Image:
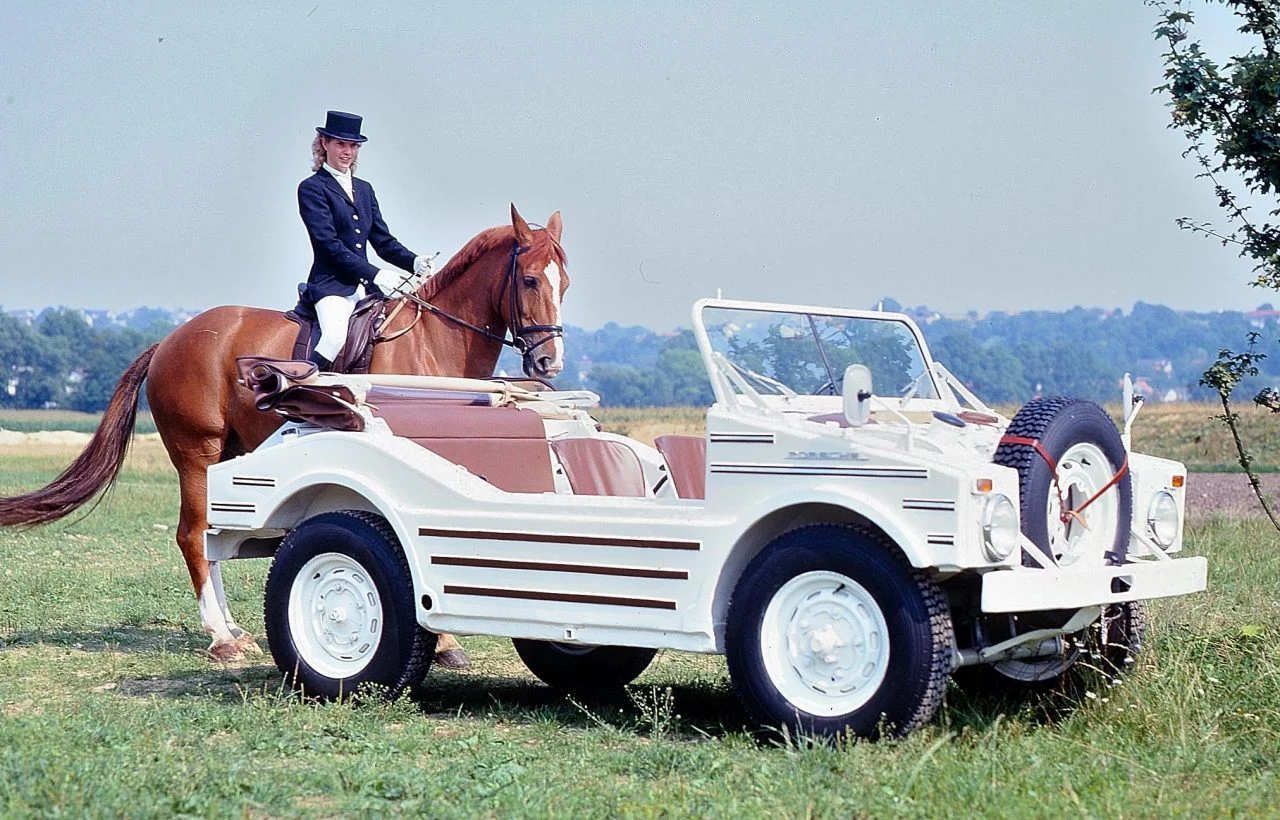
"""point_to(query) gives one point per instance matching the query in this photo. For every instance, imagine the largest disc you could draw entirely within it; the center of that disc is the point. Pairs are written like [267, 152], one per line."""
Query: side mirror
[1132, 403]
[857, 394]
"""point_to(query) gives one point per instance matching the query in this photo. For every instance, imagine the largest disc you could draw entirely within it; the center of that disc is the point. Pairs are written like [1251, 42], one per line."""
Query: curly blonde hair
[318, 155]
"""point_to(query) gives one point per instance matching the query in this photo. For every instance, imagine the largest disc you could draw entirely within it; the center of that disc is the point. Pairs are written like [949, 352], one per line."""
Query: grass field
[108, 708]
[30, 421]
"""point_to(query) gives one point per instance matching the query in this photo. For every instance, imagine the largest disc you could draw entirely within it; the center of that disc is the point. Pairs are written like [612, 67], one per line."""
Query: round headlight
[1163, 520]
[999, 527]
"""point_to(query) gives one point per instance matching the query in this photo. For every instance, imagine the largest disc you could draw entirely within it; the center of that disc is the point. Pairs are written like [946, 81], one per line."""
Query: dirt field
[1227, 494]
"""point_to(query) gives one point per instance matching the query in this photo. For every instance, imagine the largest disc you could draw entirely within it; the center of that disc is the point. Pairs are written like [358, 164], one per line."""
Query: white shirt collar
[344, 179]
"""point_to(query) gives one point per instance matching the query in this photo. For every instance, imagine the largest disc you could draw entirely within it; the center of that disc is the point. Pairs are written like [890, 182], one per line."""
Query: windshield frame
[724, 386]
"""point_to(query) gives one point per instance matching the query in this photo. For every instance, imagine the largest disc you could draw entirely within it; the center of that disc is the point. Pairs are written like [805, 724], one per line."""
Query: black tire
[1069, 425]
[1117, 639]
[848, 588]
[583, 670]
[348, 565]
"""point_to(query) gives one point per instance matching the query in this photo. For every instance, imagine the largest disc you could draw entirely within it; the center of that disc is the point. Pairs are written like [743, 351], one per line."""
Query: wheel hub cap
[336, 614]
[825, 643]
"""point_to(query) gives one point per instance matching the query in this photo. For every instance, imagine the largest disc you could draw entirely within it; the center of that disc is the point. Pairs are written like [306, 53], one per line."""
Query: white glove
[422, 266]
[390, 281]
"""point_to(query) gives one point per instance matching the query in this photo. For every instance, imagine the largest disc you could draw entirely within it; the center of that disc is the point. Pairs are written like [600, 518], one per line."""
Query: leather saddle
[357, 353]
[278, 387]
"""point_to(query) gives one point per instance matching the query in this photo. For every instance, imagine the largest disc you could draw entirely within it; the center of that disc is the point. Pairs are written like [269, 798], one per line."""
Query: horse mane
[482, 243]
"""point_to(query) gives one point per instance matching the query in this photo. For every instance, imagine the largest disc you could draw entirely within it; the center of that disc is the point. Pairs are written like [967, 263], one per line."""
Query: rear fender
[310, 495]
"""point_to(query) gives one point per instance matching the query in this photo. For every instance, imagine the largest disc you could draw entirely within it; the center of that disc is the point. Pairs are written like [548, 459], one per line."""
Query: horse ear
[554, 226]
[524, 236]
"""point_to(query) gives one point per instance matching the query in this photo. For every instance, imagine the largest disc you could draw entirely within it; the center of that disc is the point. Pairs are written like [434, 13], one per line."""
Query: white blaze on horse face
[553, 275]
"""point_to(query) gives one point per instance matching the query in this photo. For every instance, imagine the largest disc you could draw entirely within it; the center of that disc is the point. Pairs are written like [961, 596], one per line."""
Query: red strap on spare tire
[1066, 514]
[1039, 448]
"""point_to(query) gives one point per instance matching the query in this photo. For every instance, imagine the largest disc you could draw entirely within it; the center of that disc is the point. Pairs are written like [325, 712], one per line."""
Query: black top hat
[342, 126]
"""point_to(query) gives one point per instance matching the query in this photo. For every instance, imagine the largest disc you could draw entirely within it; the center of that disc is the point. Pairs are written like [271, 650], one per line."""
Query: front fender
[888, 520]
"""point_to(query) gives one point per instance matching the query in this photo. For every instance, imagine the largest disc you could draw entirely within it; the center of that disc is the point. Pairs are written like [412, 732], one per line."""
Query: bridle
[511, 288]
[519, 331]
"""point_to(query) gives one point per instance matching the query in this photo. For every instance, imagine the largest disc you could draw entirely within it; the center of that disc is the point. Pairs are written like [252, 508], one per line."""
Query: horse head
[536, 287]
[508, 278]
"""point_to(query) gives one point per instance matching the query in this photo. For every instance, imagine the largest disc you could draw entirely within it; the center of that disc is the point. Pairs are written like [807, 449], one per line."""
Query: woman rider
[342, 218]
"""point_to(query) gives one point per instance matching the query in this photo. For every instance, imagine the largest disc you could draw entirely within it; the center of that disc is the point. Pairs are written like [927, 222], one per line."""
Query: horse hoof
[452, 659]
[248, 644]
[225, 652]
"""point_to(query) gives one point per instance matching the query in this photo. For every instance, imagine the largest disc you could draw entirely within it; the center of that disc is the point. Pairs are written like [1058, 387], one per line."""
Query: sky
[966, 156]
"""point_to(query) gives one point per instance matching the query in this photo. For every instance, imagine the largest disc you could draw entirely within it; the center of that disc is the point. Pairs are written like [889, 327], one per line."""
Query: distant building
[24, 315]
[1143, 387]
[1263, 316]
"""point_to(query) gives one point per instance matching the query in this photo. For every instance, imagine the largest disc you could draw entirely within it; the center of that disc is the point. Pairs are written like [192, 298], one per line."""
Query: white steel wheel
[830, 631]
[1066, 450]
[825, 643]
[1082, 539]
[339, 608]
[335, 615]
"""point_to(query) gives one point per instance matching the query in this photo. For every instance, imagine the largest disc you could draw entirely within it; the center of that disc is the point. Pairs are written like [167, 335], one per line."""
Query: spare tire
[1076, 494]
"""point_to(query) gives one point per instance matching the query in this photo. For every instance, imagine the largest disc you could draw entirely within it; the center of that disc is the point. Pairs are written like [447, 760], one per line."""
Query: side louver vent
[232, 507]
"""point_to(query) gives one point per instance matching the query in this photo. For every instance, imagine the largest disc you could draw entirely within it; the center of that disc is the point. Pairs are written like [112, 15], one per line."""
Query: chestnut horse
[505, 278]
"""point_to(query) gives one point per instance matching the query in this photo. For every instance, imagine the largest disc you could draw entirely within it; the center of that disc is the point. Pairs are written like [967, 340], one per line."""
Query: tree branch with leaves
[1230, 115]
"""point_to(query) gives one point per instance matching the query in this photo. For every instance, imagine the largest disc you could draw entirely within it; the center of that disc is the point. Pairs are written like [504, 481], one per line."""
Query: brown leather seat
[505, 446]
[687, 461]
[600, 466]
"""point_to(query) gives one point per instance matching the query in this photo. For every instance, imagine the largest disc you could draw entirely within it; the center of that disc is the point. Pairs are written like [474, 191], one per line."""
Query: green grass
[108, 708]
[32, 421]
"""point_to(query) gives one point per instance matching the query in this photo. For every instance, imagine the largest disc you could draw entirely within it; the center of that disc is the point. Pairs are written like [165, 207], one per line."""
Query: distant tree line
[62, 360]
[1004, 358]
[72, 359]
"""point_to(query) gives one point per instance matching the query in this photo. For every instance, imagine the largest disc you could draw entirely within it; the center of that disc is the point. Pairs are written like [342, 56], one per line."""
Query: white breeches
[334, 312]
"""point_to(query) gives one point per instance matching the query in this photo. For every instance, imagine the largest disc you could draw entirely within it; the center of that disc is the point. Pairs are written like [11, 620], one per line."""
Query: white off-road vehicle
[854, 527]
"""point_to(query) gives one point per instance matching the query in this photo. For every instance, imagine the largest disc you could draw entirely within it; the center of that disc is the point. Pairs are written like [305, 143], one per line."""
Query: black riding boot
[324, 364]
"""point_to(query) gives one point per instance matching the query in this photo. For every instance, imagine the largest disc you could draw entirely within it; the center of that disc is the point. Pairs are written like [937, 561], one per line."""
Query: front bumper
[1023, 589]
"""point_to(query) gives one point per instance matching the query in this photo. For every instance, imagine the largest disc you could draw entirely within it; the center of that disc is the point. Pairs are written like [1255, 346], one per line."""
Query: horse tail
[96, 468]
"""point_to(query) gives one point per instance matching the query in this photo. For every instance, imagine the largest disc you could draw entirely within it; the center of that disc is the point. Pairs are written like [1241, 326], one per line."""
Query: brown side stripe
[546, 566]
[570, 597]
[552, 538]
